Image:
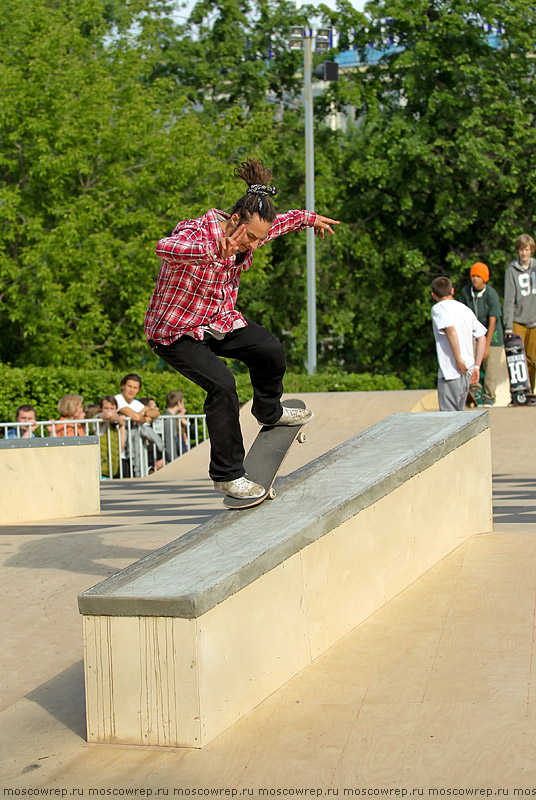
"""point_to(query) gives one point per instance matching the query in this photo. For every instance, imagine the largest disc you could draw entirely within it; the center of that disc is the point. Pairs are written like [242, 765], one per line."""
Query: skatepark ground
[436, 690]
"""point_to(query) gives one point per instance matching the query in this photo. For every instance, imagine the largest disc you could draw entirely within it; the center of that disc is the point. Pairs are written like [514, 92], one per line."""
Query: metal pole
[310, 200]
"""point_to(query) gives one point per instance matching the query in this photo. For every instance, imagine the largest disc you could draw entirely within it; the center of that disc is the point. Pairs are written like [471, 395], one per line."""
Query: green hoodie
[485, 304]
[520, 295]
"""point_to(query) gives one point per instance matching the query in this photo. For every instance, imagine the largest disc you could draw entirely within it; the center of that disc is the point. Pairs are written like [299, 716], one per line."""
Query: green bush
[42, 387]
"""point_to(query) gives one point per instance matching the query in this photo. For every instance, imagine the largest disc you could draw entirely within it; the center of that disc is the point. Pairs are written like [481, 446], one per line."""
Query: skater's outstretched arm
[298, 221]
[323, 224]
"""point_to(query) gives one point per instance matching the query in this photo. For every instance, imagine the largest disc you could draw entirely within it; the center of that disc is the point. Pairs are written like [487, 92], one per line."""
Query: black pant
[198, 361]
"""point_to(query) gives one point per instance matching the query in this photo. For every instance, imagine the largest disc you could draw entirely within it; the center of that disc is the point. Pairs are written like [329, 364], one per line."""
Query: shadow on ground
[64, 698]
[514, 500]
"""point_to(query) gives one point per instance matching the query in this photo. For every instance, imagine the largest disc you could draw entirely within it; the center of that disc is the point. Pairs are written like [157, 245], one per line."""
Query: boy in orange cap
[484, 301]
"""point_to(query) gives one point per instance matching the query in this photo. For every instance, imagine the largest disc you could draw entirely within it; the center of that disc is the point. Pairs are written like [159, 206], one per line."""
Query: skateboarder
[191, 320]
[455, 326]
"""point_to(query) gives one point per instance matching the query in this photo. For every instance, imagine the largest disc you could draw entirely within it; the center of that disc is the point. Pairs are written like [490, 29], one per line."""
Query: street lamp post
[310, 202]
[302, 38]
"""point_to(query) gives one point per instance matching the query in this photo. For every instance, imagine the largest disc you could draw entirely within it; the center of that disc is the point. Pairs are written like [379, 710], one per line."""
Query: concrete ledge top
[48, 441]
[194, 573]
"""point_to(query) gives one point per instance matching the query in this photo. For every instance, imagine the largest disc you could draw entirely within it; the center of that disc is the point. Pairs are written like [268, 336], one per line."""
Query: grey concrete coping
[52, 441]
[194, 573]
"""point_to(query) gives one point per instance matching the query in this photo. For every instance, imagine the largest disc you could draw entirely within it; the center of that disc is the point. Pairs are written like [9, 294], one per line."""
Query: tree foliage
[437, 170]
[117, 120]
[99, 158]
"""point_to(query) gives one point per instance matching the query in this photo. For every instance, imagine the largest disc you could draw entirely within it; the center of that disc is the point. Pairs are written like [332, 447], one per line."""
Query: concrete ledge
[184, 642]
[201, 569]
[49, 478]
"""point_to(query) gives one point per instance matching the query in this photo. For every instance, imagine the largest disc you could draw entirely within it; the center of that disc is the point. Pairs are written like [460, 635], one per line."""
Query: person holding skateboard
[192, 321]
[455, 326]
[519, 307]
[482, 298]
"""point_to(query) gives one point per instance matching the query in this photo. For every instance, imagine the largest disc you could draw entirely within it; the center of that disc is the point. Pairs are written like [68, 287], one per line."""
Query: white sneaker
[240, 488]
[295, 416]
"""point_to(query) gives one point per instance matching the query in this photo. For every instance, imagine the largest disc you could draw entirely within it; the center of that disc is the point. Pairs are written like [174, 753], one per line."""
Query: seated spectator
[70, 408]
[25, 413]
[112, 433]
[176, 433]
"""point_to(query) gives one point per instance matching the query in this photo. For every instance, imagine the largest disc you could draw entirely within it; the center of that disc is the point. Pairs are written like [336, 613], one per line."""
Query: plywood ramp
[49, 478]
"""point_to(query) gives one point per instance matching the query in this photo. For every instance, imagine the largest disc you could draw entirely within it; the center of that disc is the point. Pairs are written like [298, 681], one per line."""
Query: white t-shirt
[450, 312]
[135, 405]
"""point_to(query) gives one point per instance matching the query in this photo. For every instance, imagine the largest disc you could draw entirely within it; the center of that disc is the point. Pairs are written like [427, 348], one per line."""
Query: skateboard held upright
[265, 457]
[474, 396]
[518, 373]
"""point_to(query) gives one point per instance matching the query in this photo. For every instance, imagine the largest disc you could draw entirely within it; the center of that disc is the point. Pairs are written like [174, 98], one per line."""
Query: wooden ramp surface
[435, 690]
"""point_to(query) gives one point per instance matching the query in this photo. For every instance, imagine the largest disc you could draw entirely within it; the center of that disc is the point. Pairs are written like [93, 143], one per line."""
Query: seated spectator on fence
[25, 413]
[70, 408]
[176, 433]
[112, 436]
[138, 413]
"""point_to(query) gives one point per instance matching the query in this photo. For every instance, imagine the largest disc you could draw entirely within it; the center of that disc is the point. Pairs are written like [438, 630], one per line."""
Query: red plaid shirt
[196, 288]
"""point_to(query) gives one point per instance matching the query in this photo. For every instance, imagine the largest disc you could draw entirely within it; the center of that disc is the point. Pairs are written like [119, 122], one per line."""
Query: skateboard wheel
[271, 494]
[302, 437]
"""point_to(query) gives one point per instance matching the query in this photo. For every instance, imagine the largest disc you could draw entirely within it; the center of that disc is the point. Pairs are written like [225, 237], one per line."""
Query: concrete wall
[49, 478]
[191, 638]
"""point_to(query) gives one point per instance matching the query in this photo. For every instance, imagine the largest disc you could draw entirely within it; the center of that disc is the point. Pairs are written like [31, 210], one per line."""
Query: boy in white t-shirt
[137, 411]
[455, 326]
[128, 405]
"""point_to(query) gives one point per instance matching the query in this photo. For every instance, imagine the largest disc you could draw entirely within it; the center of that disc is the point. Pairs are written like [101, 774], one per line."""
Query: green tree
[116, 122]
[232, 52]
[98, 160]
[437, 170]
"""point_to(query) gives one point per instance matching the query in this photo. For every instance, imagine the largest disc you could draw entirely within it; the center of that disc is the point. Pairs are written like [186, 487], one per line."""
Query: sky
[358, 4]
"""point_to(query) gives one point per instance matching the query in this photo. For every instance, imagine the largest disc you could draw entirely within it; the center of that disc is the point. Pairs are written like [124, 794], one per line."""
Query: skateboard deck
[474, 395]
[265, 457]
[518, 373]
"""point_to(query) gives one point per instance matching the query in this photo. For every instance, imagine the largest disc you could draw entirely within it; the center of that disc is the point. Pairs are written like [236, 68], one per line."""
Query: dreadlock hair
[256, 200]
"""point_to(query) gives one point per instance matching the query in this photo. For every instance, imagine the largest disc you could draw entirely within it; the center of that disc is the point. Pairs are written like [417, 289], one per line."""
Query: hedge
[42, 387]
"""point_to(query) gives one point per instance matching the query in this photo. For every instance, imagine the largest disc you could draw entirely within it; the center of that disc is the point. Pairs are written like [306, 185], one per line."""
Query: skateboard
[265, 457]
[474, 396]
[518, 374]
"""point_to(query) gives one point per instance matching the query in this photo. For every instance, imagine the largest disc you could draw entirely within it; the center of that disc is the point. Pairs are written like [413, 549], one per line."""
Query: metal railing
[127, 450]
